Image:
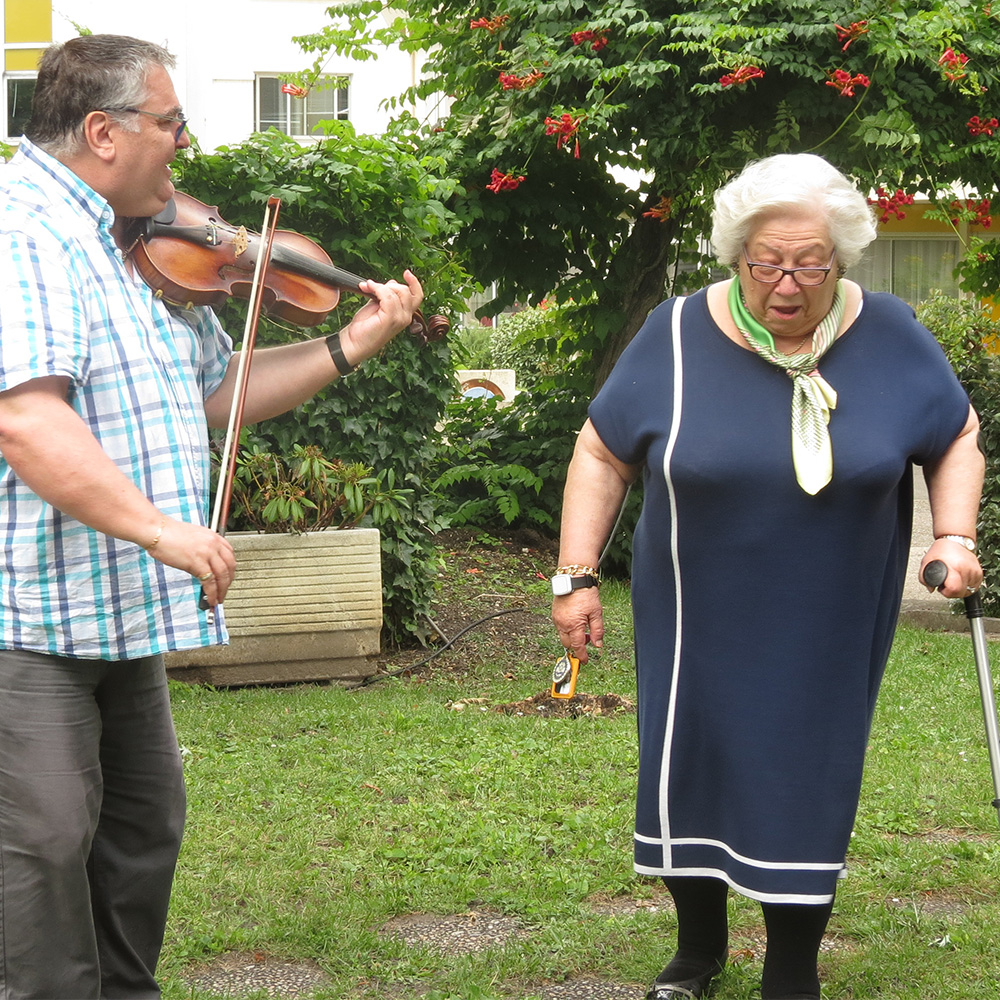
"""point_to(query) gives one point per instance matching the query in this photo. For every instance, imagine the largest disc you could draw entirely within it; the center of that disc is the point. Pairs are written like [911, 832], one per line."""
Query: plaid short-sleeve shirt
[139, 373]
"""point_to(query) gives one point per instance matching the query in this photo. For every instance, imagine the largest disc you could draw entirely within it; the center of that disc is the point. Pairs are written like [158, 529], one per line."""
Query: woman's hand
[579, 619]
[965, 575]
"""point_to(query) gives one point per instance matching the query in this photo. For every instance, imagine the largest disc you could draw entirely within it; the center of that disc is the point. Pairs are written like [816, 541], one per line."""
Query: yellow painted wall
[26, 21]
[915, 223]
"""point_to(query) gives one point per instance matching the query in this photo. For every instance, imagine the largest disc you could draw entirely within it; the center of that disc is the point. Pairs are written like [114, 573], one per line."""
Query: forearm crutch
[935, 574]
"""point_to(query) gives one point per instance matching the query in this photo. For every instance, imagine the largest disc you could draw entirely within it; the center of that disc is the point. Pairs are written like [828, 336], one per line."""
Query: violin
[189, 255]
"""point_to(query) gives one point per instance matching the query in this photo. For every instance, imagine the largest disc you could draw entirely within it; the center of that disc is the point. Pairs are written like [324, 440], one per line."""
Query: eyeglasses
[771, 274]
[179, 119]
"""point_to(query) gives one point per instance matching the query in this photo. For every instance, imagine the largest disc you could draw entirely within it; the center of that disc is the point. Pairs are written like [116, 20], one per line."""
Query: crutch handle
[935, 573]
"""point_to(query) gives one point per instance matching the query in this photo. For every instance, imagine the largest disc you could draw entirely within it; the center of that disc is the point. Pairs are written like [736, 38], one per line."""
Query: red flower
[953, 63]
[980, 127]
[500, 181]
[891, 203]
[849, 34]
[491, 24]
[846, 83]
[565, 128]
[662, 210]
[981, 209]
[510, 81]
[294, 90]
[599, 38]
[741, 75]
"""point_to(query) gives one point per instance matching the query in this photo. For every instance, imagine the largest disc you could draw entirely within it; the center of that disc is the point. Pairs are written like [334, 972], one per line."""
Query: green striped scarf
[812, 396]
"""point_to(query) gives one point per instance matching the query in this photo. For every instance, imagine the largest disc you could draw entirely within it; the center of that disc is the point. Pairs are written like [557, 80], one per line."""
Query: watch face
[562, 670]
[562, 585]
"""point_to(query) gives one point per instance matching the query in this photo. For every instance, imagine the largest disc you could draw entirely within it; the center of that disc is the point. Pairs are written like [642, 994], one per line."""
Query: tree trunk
[642, 264]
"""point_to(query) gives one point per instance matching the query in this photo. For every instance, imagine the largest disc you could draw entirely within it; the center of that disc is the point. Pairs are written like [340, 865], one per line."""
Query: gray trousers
[91, 816]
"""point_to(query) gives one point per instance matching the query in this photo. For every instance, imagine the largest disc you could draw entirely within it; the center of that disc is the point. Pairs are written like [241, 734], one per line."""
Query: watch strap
[344, 367]
[963, 540]
[575, 583]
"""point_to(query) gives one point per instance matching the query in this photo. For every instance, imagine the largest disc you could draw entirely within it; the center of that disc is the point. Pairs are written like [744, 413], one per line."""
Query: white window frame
[291, 115]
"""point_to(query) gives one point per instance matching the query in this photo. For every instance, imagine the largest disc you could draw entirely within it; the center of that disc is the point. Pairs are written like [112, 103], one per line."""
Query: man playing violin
[106, 397]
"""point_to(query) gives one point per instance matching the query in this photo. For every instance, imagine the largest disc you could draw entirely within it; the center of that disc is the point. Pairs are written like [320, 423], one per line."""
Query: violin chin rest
[167, 214]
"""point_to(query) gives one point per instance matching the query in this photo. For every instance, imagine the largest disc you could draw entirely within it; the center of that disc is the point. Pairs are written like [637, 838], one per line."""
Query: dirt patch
[933, 903]
[457, 934]
[491, 607]
[479, 930]
[580, 704]
[592, 989]
[236, 974]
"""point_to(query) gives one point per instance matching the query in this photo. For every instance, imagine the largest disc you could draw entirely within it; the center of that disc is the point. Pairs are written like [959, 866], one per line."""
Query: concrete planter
[302, 608]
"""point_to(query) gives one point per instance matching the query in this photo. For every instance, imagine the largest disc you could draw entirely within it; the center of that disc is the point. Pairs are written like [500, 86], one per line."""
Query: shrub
[505, 465]
[306, 491]
[968, 333]
[376, 207]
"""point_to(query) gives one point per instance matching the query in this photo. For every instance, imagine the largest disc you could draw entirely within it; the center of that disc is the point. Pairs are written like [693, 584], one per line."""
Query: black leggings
[794, 933]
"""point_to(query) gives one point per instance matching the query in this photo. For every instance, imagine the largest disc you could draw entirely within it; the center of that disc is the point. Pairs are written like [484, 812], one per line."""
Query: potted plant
[306, 604]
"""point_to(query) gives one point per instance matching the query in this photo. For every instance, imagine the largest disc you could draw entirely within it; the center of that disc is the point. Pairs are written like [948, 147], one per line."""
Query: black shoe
[686, 989]
[672, 991]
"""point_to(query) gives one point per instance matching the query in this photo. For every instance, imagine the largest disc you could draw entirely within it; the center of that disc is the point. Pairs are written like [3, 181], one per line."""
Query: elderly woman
[775, 418]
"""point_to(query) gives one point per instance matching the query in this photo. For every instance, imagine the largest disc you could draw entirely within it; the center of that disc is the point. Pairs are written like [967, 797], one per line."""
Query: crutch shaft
[935, 574]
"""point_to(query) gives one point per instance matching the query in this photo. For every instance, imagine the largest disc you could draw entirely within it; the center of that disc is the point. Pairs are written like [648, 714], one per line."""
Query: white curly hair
[793, 182]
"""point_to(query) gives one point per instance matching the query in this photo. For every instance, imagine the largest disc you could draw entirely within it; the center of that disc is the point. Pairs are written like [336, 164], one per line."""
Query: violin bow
[227, 472]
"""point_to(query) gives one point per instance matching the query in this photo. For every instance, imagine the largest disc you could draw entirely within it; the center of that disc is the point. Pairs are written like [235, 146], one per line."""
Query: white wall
[221, 44]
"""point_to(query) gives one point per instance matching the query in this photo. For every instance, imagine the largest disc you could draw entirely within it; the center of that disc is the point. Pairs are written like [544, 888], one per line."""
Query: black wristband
[344, 367]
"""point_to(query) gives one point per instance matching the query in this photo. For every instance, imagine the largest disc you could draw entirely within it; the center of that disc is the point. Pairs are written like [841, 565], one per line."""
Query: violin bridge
[241, 241]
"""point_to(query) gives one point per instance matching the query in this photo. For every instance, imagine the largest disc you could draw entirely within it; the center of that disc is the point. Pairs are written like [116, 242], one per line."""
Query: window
[19, 92]
[909, 267]
[300, 116]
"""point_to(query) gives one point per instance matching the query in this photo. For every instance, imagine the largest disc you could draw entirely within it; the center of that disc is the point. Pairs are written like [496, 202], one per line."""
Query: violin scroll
[429, 330]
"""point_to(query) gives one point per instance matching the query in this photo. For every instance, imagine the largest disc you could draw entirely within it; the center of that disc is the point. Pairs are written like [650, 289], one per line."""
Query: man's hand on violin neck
[389, 311]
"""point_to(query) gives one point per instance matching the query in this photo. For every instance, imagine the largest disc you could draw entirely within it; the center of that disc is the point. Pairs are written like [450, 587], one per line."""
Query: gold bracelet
[576, 570]
[156, 538]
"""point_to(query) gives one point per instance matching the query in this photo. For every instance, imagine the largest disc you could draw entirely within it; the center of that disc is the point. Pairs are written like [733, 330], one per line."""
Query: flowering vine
[599, 38]
[741, 75]
[491, 24]
[661, 211]
[952, 64]
[980, 211]
[510, 81]
[565, 128]
[891, 204]
[499, 181]
[849, 34]
[845, 83]
[979, 126]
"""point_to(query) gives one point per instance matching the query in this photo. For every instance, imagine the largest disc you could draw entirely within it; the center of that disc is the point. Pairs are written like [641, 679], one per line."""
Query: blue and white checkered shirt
[139, 373]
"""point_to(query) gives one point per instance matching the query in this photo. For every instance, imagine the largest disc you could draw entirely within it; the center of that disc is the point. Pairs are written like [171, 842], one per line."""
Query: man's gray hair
[84, 74]
[794, 182]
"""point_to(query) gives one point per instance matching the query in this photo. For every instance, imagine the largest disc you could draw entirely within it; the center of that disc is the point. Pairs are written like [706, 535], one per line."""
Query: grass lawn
[328, 827]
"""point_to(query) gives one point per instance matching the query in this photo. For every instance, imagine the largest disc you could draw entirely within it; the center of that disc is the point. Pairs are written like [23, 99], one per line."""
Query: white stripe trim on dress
[675, 422]
[762, 897]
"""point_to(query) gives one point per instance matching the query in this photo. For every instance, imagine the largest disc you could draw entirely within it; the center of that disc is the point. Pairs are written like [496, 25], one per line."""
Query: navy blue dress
[764, 616]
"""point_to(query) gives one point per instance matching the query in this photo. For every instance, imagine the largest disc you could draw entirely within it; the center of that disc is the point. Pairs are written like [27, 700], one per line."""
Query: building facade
[231, 55]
